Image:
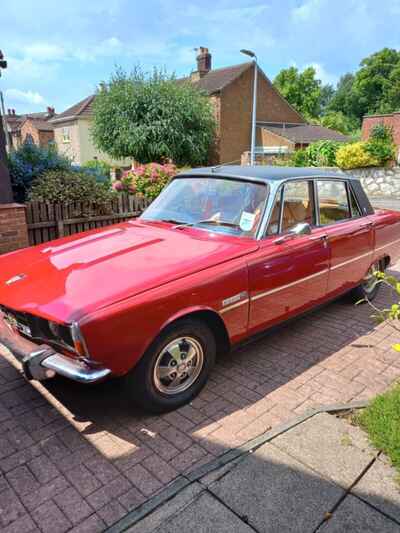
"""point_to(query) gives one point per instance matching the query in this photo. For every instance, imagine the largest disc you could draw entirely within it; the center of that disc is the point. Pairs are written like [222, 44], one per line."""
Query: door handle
[322, 237]
[367, 225]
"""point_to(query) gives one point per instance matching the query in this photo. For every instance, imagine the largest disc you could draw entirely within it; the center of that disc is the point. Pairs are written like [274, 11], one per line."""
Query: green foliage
[99, 167]
[377, 82]
[70, 186]
[355, 155]
[28, 163]
[299, 158]
[380, 144]
[338, 121]
[146, 180]
[302, 90]
[153, 118]
[322, 153]
[381, 419]
[345, 100]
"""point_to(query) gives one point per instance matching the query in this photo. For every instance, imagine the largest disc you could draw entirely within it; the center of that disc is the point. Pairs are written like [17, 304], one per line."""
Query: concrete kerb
[183, 481]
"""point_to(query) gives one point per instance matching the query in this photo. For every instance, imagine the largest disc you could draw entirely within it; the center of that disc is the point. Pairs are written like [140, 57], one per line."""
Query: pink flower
[117, 185]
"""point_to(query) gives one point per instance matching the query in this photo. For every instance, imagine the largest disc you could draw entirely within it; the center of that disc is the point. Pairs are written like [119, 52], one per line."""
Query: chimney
[13, 111]
[203, 61]
[8, 111]
[50, 112]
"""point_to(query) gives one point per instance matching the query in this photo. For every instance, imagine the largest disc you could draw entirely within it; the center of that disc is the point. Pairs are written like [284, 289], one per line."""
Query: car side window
[333, 201]
[297, 206]
[355, 210]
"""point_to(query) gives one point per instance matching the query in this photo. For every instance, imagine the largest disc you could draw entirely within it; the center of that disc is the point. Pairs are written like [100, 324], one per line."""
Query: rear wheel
[175, 367]
[369, 287]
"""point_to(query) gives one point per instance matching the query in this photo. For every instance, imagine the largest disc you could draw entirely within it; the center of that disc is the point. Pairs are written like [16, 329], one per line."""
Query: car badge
[15, 279]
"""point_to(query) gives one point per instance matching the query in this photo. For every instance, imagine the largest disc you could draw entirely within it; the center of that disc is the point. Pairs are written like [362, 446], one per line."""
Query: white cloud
[43, 51]
[306, 11]
[322, 74]
[26, 97]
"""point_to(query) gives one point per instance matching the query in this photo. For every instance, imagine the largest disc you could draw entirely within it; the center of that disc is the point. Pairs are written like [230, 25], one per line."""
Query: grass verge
[381, 420]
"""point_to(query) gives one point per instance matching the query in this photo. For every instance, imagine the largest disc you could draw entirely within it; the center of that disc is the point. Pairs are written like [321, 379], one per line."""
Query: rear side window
[333, 201]
[355, 210]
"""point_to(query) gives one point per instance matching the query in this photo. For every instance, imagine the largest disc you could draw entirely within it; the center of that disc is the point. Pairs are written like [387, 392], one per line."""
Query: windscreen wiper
[207, 221]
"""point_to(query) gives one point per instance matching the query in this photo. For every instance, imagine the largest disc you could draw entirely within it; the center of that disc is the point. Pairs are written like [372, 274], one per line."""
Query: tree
[345, 100]
[153, 118]
[377, 82]
[302, 90]
[336, 120]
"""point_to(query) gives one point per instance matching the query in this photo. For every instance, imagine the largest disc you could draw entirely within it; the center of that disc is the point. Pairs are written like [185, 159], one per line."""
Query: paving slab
[160, 516]
[206, 515]
[330, 446]
[380, 487]
[354, 516]
[276, 492]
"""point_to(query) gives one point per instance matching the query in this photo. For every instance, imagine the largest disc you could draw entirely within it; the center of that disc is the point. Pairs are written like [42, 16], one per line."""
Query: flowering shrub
[146, 180]
[355, 155]
[28, 163]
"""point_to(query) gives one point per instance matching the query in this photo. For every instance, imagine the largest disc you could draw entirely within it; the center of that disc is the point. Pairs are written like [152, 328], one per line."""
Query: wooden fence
[48, 221]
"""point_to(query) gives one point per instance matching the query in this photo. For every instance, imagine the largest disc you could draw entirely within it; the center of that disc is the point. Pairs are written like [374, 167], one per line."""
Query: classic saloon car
[222, 254]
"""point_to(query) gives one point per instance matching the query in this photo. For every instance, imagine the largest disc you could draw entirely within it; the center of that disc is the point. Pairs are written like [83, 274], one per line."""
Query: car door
[288, 275]
[349, 234]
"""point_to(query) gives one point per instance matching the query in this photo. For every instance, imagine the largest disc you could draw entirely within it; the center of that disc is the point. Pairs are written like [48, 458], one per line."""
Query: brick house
[34, 128]
[230, 91]
[392, 120]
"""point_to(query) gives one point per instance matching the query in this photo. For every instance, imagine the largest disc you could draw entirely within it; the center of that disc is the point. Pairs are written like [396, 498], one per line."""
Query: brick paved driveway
[75, 458]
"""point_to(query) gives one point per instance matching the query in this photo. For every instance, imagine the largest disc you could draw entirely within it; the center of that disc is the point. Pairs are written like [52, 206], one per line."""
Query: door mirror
[303, 228]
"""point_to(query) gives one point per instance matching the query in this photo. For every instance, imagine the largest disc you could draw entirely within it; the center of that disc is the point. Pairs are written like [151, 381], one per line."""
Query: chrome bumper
[43, 362]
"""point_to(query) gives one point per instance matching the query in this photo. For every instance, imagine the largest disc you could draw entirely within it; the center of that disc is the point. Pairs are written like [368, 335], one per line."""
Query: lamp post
[254, 111]
[5, 184]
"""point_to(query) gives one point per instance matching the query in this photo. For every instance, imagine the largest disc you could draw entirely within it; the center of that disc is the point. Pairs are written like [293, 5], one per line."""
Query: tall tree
[377, 82]
[302, 90]
[153, 118]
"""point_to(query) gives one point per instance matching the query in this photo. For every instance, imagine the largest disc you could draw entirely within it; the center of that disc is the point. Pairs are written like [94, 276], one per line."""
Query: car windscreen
[220, 204]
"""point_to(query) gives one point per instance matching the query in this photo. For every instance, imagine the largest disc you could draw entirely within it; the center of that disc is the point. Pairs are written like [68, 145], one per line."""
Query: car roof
[263, 173]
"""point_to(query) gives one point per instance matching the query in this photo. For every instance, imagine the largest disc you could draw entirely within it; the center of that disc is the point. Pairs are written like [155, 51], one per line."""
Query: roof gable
[81, 109]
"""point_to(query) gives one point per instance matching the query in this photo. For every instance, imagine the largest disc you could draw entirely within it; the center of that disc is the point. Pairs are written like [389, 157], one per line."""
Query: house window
[66, 135]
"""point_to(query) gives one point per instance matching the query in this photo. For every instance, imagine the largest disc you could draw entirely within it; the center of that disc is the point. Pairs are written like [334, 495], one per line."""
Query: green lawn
[381, 420]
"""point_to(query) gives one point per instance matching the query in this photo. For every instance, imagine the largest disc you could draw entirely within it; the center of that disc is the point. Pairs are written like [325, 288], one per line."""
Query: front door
[349, 234]
[288, 276]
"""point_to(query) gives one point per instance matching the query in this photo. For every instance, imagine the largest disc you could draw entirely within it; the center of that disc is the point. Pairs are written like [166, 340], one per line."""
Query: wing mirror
[303, 228]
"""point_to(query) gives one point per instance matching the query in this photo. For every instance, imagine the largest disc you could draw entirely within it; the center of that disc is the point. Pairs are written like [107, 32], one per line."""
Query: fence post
[60, 227]
[13, 228]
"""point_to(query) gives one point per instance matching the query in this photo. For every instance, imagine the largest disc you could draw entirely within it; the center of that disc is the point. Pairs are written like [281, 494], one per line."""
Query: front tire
[174, 369]
[369, 288]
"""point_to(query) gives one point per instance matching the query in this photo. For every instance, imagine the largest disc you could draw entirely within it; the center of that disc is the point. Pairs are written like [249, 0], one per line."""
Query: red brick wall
[236, 109]
[40, 138]
[13, 228]
[392, 120]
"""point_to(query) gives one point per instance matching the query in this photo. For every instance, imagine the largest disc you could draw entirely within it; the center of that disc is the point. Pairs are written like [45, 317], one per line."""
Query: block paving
[75, 458]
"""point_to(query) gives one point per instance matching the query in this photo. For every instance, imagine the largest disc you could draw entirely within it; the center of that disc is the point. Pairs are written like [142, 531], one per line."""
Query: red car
[222, 254]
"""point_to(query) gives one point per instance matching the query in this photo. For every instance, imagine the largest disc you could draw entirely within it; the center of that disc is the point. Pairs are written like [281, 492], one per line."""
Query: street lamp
[254, 113]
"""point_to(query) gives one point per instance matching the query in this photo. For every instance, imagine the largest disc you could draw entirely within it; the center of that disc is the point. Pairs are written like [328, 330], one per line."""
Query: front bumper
[42, 362]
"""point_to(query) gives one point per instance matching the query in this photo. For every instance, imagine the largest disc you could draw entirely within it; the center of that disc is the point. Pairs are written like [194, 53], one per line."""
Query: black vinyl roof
[264, 173]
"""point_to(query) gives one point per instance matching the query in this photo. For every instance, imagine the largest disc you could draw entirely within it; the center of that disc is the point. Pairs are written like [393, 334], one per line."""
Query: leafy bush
[338, 121]
[146, 180]
[380, 144]
[101, 169]
[28, 163]
[355, 155]
[70, 186]
[322, 153]
[299, 158]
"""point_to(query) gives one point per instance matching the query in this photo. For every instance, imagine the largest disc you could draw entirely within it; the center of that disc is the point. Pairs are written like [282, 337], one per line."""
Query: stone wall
[379, 182]
[13, 228]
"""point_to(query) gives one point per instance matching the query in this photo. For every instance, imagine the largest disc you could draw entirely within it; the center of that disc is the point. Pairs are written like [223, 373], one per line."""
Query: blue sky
[58, 52]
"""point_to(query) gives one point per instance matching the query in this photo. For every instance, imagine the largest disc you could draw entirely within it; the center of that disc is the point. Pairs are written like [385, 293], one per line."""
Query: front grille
[37, 328]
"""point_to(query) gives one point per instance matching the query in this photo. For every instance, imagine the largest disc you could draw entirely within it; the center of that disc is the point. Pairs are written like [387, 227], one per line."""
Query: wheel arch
[211, 318]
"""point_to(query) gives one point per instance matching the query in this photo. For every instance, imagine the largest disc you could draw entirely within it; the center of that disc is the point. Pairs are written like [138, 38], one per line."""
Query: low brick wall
[13, 228]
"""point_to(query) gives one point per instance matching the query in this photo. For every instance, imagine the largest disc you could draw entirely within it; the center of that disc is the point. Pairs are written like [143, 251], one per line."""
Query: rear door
[349, 234]
[290, 276]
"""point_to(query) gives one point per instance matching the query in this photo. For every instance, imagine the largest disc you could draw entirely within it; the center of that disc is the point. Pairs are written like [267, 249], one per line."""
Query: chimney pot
[203, 61]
